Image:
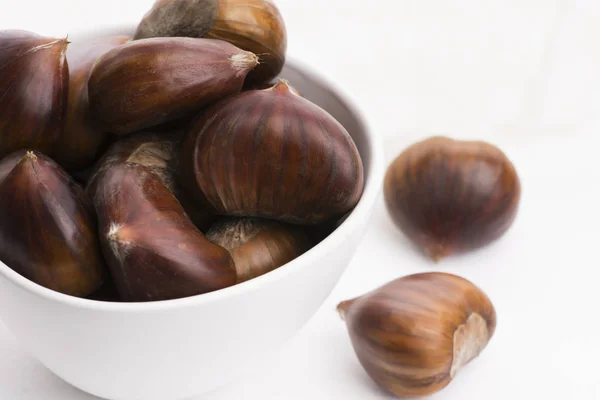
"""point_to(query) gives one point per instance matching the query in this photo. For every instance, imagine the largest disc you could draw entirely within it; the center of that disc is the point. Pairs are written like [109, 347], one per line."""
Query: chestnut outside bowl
[177, 349]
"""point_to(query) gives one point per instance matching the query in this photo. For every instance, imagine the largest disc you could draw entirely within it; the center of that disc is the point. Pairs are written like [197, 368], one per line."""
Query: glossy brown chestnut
[33, 91]
[151, 246]
[258, 246]
[256, 26]
[414, 334]
[272, 154]
[148, 82]
[451, 196]
[159, 151]
[47, 227]
[178, 18]
[81, 141]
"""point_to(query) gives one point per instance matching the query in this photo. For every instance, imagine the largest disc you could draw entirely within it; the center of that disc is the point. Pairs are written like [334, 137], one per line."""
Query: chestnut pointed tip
[437, 252]
[115, 234]
[64, 42]
[244, 62]
[343, 307]
[284, 86]
[28, 159]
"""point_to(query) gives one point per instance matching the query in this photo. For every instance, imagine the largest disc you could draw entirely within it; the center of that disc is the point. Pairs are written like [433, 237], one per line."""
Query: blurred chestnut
[256, 26]
[47, 226]
[81, 141]
[33, 91]
[153, 249]
[272, 154]
[258, 246]
[414, 334]
[450, 195]
[178, 18]
[145, 83]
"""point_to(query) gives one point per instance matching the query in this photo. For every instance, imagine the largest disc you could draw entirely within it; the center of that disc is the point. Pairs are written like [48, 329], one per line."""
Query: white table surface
[519, 73]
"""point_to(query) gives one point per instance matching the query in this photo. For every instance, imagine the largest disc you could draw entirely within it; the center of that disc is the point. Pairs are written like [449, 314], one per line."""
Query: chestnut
[272, 154]
[451, 196]
[47, 226]
[33, 91]
[153, 249]
[256, 26]
[258, 246]
[148, 82]
[82, 140]
[158, 150]
[178, 18]
[414, 334]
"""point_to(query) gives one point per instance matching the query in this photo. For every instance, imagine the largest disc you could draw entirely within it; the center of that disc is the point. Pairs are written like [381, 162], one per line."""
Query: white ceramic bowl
[181, 348]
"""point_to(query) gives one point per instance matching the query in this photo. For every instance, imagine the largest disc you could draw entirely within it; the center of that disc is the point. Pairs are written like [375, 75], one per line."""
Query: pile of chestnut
[168, 164]
[174, 163]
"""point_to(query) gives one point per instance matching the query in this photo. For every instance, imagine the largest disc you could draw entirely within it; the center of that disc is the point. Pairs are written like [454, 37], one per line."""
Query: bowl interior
[322, 93]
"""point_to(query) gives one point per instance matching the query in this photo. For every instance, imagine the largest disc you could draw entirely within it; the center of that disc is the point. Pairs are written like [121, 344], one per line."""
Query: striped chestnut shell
[414, 334]
[272, 154]
[450, 196]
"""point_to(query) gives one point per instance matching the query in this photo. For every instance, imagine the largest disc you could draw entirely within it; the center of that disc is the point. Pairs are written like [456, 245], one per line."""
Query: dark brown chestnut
[256, 26]
[414, 334]
[81, 141]
[451, 196]
[47, 226]
[33, 91]
[153, 249]
[258, 246]
[178, 18]
[145, 83]
[158, 150]
[272, 154]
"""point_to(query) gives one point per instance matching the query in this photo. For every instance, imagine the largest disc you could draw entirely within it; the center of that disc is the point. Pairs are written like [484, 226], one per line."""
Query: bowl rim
[371, 191]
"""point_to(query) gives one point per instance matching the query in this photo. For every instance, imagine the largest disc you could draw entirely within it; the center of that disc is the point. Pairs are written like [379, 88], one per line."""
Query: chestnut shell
[149, 82]
[256, 26]
[415, 333]
[450, 196]
[82, 140]
[153, 249]
[47, 226]
[272, 154]
[33, 91]
[178, 18]
[259, 246]
[158, 150]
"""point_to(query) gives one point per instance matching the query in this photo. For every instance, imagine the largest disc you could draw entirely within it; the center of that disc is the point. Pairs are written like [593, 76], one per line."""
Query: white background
[519, 73]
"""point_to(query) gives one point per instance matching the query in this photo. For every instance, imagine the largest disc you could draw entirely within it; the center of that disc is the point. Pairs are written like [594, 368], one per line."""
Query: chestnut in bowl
[175, 349]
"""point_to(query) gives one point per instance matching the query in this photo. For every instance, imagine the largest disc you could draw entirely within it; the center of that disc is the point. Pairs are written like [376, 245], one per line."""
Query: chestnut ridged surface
[256, 26]
[258, 246]
[272, 154]
[153, 249]
[82, 140]
[47, 226]
[450, 196]
[178, 18]
[414, 334]
[145, 83]
[34, 86]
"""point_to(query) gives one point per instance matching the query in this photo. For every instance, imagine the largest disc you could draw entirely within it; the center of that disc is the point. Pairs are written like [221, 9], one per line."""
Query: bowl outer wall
[180, 348]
